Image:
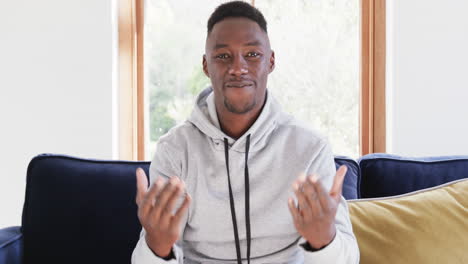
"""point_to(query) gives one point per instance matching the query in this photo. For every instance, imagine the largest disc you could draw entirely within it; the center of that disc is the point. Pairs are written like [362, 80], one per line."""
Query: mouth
[237, 84]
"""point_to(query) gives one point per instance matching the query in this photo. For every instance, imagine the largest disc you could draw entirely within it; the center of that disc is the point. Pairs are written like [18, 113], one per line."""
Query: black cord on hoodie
[247, 200]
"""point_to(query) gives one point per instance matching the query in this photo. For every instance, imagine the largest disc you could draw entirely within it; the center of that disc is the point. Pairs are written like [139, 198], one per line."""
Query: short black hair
[237, 9]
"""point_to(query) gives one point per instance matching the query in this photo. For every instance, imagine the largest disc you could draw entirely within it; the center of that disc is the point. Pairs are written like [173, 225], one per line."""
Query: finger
[294, 212]
[166, 213]
[181, 211]
[313, 197]
[163, 197]
[304, 207]
[142, 185]
[322, 195]
[147, 205]
[337, 186]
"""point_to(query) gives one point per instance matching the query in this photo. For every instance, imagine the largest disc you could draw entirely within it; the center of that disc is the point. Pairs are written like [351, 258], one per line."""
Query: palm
[314, 218]
[155, 211]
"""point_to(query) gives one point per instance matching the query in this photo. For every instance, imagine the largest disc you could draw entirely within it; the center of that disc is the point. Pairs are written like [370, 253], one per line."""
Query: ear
[272, 61]
[205, 66]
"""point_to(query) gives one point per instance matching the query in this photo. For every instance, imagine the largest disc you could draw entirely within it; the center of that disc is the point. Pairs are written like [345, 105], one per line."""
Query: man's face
[238, 59]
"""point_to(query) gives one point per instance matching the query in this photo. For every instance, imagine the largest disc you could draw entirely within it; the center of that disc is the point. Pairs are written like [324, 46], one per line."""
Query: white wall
[55, 87]
[427, 77]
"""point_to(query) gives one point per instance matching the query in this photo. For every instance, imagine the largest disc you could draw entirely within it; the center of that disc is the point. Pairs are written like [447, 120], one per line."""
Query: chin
[240, 107]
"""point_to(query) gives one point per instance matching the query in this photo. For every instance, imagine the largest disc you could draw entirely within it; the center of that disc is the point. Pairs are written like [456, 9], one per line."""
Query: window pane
[316, 78]
[175, 33]
[317, 63]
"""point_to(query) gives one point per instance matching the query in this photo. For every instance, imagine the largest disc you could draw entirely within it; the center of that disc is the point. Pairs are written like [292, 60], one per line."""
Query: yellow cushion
[427, 226]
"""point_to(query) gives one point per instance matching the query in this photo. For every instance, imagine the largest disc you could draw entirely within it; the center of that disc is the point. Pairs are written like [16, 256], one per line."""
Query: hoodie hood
[205, 118]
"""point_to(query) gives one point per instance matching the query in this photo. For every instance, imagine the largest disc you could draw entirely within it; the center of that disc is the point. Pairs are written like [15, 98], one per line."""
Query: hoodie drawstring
[247, 199]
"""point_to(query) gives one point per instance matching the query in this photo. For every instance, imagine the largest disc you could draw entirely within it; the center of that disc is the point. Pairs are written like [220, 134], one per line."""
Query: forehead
[236, 31]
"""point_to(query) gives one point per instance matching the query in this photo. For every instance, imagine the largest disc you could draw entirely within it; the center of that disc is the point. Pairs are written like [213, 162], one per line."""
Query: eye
[253, 54]
[222, 56]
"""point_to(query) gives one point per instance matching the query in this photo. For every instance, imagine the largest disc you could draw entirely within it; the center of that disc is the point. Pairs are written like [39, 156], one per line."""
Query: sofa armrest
[11, 245]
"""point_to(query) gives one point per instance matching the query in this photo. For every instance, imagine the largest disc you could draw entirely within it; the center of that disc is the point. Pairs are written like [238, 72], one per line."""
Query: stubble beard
[240, 109]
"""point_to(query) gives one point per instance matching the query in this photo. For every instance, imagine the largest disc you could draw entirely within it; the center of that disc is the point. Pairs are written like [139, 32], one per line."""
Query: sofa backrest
[352, 178]
[83, 210]
[80, 210]
[385, 175]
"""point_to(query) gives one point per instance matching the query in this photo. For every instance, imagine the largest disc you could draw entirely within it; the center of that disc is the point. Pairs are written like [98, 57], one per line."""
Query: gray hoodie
[277, 149]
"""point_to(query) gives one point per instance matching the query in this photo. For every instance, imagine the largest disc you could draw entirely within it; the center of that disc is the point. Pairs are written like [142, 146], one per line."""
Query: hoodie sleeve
[344, 247]
[142, 254]
[164, 164]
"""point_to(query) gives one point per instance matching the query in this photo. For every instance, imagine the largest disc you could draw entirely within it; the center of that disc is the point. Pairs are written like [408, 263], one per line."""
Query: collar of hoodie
[204, 117]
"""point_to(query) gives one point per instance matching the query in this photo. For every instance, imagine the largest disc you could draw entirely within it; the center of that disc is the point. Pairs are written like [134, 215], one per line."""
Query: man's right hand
[155, 207]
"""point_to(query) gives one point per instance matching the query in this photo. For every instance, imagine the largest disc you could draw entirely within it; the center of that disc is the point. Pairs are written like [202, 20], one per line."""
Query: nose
[238, 66]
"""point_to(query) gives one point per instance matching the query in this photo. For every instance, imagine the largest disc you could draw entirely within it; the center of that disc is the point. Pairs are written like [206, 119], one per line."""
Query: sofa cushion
[388, 175]
[80, 210]
[352, 177]
[427, 226]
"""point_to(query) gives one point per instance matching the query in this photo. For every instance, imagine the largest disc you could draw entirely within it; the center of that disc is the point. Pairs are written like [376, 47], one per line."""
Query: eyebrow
[252, 43]
[220, 46]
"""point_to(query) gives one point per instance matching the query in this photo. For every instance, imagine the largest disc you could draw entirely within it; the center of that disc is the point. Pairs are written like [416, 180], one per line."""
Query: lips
[237, 84]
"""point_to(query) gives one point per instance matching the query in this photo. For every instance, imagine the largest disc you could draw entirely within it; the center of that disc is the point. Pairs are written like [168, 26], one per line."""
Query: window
[329, 72]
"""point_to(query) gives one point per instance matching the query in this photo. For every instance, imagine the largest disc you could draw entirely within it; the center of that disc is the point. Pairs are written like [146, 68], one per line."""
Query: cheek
[260, 69]
[262, 74]
[216, 75]
[216, 70]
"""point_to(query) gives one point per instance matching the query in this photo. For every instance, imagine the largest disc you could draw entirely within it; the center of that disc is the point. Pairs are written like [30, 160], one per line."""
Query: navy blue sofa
[83, 211]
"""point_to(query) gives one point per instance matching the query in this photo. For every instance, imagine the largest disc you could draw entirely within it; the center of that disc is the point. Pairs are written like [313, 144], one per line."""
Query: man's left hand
[314, 218]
